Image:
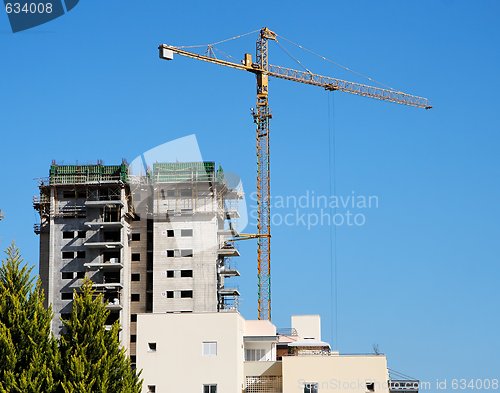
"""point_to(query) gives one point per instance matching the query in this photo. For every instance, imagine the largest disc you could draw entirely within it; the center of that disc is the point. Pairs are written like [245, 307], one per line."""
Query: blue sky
[419, 278]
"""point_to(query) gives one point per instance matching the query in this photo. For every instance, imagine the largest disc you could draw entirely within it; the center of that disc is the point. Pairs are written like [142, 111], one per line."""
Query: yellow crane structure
[261, 114]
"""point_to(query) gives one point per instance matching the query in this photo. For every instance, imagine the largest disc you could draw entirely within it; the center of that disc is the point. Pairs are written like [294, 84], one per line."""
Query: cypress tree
[91, 356]
[28, 352]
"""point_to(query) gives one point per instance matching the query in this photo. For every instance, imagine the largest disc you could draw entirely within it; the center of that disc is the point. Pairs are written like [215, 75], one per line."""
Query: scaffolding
[87, 174]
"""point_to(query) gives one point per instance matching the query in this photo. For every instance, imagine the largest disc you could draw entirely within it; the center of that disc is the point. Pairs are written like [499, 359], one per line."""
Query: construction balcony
[228, 250]
[103, 203]
[112, 264]
[105, 239]
[98, 224]
[228, 271]
[405, 386]
[229, 292]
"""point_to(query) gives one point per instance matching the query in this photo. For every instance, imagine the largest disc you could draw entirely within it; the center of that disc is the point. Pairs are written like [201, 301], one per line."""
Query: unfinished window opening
[67, 275]
[171, 193]
[136, 257]
[170, 233]
[80, 254]
[135, 297]
[68, 255]
[151, 347]
[66, 295]
[370, 386]
[170, 253]
[67, 194]
[80, 275]
[136, 237]
[186, 273]
[82, 234]
[133, 317]
[186, 294]
[135, 277]
[112, 236]
[151, 388]
[170, 294]
[68, 234]
[133, 338]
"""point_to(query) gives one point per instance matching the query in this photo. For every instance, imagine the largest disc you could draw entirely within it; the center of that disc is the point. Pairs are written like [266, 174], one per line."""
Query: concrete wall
[307, 326]
[339, 374]
[178, 363]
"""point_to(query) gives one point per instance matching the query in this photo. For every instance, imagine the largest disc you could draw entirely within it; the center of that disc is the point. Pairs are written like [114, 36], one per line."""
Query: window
[186, 232]
[136, 237]
[170, 253]
[170, 274]
[209, 348]
[209, 388]
[80, 274]
[68, 254]
[186, 273]
[151, 388]
[187, 294]
[151, 347]
[66, 295]
[135, 297]
[133, 338]
[255, 355]
[135, 277]
[311, 387]
[186, 253]
[370, 386]
[136, 257]
[67, 275]
[80, 254]
[68, 234]
[170, 233]
[133, 317]
[82, 234]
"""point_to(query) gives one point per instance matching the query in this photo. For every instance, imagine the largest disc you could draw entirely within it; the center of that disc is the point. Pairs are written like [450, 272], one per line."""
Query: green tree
[28, 351]
[91, 357]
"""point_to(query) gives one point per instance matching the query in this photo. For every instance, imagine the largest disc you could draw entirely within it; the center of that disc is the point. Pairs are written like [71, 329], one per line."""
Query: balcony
[228, 250]
[112, 264]
[107, 286]
[227, 271]
[264, 384]
[110, 245]
[229, 292]
[104, 224]
[104, 202]
[403, 385]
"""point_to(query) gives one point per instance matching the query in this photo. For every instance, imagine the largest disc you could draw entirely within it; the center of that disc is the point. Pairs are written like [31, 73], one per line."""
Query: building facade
[222, 352]
[154, 243]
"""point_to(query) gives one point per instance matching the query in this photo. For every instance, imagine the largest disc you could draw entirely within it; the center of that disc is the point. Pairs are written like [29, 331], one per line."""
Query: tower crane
[261, 114]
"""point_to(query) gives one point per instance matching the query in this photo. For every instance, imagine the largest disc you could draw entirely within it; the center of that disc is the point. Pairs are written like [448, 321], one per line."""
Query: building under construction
[157, 243]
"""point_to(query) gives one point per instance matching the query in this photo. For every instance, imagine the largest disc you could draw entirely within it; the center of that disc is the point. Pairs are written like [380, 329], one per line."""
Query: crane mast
[261, 114]
[261, 117]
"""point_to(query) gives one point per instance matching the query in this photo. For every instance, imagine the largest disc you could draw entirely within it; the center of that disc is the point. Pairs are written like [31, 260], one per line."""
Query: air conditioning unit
[113, 260]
